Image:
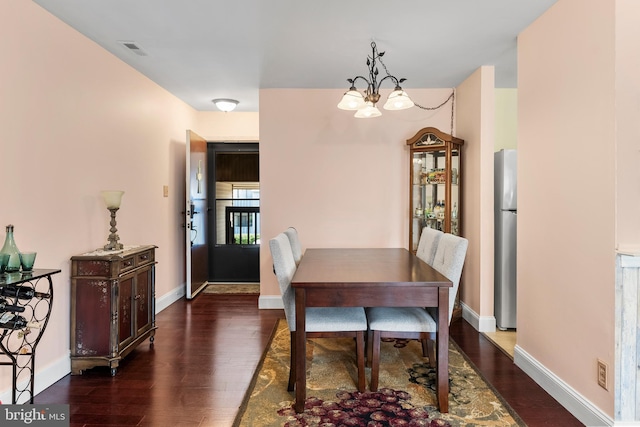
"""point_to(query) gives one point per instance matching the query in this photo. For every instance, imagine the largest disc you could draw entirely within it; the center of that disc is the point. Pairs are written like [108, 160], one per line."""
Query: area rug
[406, 396]
[233, 288]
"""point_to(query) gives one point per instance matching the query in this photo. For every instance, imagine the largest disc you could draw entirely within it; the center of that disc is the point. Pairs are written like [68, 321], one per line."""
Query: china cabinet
[435, 183]
[112, 305]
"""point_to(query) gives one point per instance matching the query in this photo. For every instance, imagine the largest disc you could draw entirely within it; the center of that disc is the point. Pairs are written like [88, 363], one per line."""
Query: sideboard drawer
[144, 257]
[127, 264]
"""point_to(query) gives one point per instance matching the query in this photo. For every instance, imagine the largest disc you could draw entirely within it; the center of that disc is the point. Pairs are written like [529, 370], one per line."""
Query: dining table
[369, 277]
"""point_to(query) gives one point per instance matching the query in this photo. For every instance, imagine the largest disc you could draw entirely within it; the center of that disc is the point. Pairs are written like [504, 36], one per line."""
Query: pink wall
[627, 64]
[341, 181]
[567, 192]
[234, 126]
[476, 125]
[75, 120]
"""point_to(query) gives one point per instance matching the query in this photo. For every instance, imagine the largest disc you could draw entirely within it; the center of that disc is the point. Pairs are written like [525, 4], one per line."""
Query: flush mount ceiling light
[365, 103]
[225, 104]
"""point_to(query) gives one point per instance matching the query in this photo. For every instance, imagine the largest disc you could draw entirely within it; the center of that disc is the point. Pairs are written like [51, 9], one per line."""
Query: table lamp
[112, 200]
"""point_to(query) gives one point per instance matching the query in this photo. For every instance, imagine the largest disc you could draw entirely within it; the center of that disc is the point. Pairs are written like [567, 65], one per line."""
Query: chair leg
[369, 348]
[292, 374]
[375, 360]
[425, 347]
[431, 350]
[360, 356]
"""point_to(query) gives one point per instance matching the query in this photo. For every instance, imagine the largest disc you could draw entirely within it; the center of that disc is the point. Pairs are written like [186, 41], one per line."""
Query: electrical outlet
[165, 190]
[603, 373]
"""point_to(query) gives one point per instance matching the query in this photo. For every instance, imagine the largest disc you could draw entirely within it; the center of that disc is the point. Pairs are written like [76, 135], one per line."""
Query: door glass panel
[237, 213]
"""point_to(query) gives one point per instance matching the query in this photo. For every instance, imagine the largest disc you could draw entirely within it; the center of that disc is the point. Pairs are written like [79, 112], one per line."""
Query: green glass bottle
[11, 249]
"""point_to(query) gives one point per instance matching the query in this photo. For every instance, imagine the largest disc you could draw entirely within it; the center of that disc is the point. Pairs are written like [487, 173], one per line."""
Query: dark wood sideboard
[112, 305]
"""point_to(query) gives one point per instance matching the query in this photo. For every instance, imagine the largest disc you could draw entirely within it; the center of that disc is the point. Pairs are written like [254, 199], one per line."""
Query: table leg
[301, 350]
[442, 376]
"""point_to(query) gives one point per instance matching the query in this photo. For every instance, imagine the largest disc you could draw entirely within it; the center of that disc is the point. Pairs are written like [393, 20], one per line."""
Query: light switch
[165, 190]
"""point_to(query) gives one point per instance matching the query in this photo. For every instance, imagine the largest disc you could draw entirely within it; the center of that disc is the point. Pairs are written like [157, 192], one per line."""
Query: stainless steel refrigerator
[505, 201]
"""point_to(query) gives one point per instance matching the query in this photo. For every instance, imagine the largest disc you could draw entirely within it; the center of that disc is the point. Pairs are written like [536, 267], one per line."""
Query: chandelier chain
[451, 97]
[385, 67]
[436, 107]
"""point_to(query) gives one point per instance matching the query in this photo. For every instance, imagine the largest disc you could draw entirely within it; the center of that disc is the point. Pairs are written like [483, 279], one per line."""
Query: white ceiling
[204, 49]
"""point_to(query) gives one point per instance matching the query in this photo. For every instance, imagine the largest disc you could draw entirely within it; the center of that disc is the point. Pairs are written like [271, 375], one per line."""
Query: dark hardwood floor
[204, 356]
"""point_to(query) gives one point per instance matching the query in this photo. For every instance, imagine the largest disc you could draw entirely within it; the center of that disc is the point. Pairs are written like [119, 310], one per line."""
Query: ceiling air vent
[133, 47]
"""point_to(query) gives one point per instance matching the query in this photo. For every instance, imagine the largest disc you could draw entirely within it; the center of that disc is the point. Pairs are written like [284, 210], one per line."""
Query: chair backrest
[449, 261]
[428, 244]
[285, 267]
[294, 240]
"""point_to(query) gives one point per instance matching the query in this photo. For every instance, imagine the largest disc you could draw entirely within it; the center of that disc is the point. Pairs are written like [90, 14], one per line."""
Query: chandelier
[364, 103]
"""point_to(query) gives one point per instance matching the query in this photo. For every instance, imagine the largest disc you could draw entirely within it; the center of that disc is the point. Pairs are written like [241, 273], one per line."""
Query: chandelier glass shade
[364, 103]
[368, 111]
[398, 100]
[352, 100]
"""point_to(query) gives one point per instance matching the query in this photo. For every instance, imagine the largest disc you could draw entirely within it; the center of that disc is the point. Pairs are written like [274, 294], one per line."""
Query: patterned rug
[406, 396]
[233, 288]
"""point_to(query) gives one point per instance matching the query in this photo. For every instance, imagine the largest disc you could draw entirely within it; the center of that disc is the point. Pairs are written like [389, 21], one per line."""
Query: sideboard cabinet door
[144, 301]
[125, 312]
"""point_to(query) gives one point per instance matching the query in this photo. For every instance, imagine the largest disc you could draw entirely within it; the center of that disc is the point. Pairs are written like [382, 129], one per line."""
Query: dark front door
[234, 214]
[195, 219]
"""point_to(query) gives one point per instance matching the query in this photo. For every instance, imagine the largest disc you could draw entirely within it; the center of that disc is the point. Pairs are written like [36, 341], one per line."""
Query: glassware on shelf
[27, 259]
[11, 249]
[4, 260]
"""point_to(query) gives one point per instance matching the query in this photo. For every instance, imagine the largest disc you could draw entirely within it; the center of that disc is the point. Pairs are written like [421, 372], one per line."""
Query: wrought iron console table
[18, 346]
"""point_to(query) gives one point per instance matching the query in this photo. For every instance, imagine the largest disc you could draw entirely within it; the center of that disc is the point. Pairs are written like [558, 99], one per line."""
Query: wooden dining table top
[331, 267]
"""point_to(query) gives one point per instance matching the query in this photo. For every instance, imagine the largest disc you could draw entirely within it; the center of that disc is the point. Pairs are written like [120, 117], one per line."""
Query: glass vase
[11, 249]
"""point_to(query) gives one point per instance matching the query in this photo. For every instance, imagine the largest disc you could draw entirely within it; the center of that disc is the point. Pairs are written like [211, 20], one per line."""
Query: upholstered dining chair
[321, 322]
[416, 322]
[428, 243]
[294, 240]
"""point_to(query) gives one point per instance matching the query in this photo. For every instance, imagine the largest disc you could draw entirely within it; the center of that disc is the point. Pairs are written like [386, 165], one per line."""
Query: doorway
[234, 212]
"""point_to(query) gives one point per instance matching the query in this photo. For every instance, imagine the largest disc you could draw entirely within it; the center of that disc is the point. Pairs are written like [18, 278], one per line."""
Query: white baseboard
[581, 408]
[270, 302]
[169, 298]
[577, 405]
[480, 323]
[43, 379]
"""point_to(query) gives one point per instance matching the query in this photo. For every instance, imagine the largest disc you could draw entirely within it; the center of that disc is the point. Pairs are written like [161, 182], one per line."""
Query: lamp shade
[368, 112]
[225, 104]
[112, 198]
[398, 100]
[351, 100]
